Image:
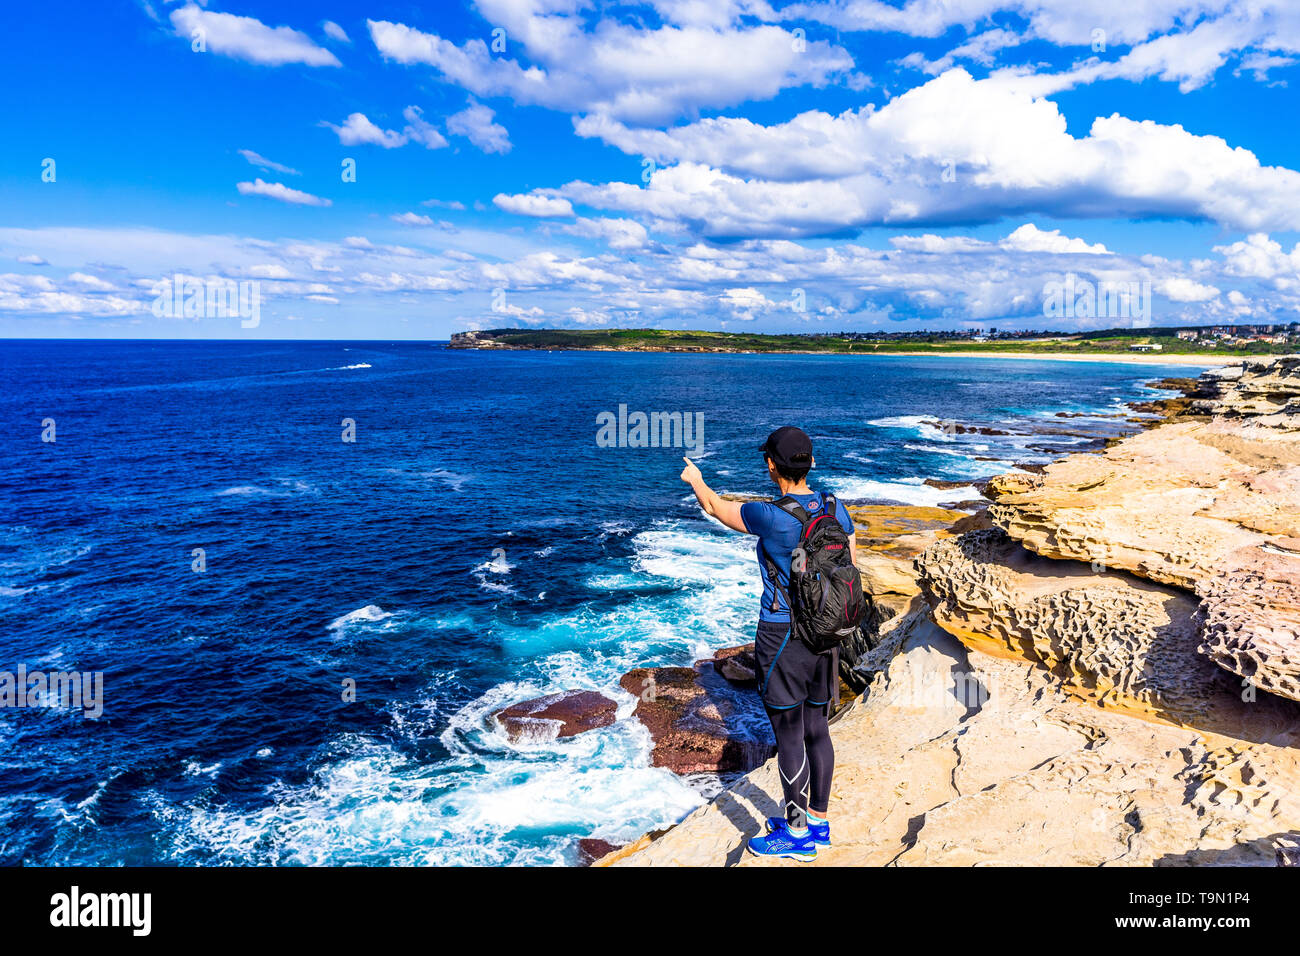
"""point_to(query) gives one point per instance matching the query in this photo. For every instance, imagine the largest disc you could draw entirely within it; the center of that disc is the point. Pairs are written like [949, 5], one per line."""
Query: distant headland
[1202, 345]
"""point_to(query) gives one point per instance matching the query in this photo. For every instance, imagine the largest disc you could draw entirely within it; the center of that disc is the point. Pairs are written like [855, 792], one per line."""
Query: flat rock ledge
[960, 758]
[548, 718]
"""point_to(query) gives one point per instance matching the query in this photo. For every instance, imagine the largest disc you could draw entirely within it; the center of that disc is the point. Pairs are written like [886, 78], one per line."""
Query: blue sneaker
[783, 843]
[821, 832]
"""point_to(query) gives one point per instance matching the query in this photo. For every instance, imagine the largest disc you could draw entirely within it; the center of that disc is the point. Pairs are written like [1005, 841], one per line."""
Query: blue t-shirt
[778, 533]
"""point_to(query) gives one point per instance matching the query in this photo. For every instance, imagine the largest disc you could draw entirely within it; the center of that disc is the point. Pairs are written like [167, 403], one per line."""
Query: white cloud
[412, 219]
[475, 124]
[624, 235]
[1026, 238]
[744, 303]
[931, 280]
[1029, 238]
[1064, 24]
[1006, 152]
[628, 72]
[532, 204]
[272, 270]
[1258, 256]
[1259, 64]
[1183, 41]
[335, 32]
[419, 131]
[1182, 289]
[246, 38]
[32, 260]
[358, 130]
[978, 49]
[263, 163]
[93, 283]
[281, 192]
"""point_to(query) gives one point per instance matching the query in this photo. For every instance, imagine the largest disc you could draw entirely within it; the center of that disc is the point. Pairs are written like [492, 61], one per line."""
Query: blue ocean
[199, 531]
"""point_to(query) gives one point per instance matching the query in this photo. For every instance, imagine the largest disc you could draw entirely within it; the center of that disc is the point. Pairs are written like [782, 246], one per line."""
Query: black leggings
[805, 759]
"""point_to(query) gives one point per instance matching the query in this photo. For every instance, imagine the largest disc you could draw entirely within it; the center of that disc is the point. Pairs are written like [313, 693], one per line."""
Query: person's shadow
[750, 731]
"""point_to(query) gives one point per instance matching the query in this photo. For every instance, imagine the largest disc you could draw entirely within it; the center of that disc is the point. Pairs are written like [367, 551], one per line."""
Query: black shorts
[789, 673]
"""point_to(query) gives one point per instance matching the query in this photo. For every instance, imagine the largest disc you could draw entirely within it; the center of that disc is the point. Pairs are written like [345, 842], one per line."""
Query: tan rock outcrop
[960, 758]
[889, 537]
[1109, 677]
[1168, 504]
[1266, 390]
[1251, 616]
[1110, 638]
[1210, 506]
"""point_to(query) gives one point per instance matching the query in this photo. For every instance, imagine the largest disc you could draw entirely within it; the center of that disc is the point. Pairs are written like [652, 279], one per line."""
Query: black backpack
[825, 597]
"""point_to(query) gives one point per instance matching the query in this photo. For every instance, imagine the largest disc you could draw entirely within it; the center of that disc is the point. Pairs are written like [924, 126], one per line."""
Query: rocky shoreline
[1101, 666]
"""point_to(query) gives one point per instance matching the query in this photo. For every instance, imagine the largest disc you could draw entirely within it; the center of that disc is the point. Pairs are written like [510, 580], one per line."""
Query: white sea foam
[918, 425]
[499, 563]
[35, 557]
[451, 479]
[369, 802]
[958, 463]
[938, 450]
[285, 487]
[370, 614]
[344, 368]
[497, 587]
[375, 805]
[908, 491]
[243, 490]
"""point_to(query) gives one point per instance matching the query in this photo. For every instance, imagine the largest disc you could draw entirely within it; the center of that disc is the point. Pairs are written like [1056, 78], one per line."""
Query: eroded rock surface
[1111, 638]
[1251, 616]
[1265, 390]
[1169, 504]
[1210, 506]
[697, 721]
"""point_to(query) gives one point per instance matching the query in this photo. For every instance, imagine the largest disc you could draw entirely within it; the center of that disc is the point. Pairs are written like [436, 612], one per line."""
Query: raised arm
[728, 512]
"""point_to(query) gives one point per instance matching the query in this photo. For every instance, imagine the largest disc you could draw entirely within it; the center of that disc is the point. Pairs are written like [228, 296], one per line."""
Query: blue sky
[813, 166]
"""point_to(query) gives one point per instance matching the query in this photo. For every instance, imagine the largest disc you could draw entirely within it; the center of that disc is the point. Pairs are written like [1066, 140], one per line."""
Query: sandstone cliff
[1109, 674]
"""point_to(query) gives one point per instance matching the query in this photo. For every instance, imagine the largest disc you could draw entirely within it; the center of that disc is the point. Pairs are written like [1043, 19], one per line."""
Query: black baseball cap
[788, 447]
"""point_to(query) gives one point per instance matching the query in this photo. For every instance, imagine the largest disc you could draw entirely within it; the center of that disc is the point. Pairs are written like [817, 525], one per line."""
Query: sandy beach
[1135, 358]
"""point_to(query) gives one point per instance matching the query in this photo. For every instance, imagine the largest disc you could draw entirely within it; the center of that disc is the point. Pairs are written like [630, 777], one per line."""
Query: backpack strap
[775, 575]
[792, 508]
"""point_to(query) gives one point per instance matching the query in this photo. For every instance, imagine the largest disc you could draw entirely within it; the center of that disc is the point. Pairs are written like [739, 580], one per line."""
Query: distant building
[1188, 335]
[1145, 347]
